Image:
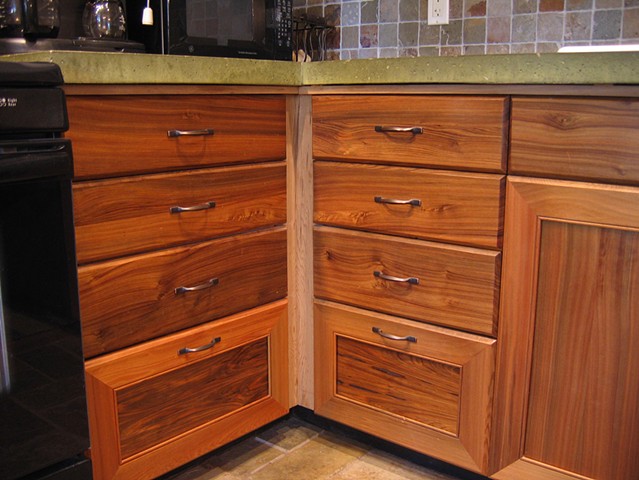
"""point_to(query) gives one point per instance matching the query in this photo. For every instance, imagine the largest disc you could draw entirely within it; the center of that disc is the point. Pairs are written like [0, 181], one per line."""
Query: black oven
[43, 410]
[226, 28]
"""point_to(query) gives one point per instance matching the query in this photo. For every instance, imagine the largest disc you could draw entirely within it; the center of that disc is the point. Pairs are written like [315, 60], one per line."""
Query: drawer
[137, 298]
[575, 138]
[423, 387]
[432, 282]
[455, 132]
[136, 214]
[124, 134]
[456, 207]
[156, 408]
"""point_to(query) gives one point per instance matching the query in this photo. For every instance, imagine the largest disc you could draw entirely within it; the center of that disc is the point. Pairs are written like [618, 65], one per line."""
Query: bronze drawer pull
[389, 336]
[390, 278]
[202, 286]
[190, 133]
[389, 129]
[415, 202]
[185, 350]
[194, 208]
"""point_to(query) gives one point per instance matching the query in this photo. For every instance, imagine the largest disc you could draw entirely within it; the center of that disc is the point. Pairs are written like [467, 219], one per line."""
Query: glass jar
[104, 19]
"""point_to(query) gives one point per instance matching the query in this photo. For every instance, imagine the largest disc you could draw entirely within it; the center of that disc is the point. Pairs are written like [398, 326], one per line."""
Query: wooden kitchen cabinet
[154, 407]
[408, 211]
[567, 389]
[180, 215]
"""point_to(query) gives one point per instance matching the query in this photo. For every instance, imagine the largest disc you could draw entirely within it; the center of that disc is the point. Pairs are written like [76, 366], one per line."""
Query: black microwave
[220, 28]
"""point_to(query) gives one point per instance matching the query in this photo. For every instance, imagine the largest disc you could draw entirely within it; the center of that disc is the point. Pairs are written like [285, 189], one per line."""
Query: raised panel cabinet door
[424, 387]
[567, 389]
[454, 207]
[157, 406]
[115, 135]
[136, 298]
[432, 282]
[147, 212]
[455, 132]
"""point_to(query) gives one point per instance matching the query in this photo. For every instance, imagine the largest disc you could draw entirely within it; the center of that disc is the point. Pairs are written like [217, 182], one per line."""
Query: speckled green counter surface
[130, 68]
[562, 68]
[558, 68]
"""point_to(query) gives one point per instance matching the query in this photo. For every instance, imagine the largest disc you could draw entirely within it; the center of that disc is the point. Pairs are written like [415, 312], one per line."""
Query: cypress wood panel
[174, 408]
[409, 386]
[124, 134]
[456, 207]
[459, 132]
[132, 215]
[412, 393]
[129, 300]
[576, 138]
[584, 395]
[458, 286]
[566, 390]
[158, 408]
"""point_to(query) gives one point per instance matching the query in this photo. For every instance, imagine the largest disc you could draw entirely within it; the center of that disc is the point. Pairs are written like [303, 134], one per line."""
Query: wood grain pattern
[420, 389]
[470, 355]
[161, 407]
[583, 413]
[115, 135]
[132, 215]
[458, 286]
[110, 378]
[457, 207]
[594, 139]
[460, 132]
[568, 323]
[129, 300]
[299, 195]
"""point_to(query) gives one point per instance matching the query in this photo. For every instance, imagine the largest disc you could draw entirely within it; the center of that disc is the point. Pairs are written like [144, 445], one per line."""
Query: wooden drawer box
[154, 409]
[455, 207]
[443, 284]
[428, 388]
[576, 138]
[457, 132]
[131, 215]
[134, 299]
[123, 134]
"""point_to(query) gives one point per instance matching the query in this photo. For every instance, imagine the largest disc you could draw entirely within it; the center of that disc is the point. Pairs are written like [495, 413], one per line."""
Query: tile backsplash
[399, 28]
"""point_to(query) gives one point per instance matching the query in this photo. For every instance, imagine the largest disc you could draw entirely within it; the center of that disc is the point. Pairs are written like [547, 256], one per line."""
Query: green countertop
[620, 68]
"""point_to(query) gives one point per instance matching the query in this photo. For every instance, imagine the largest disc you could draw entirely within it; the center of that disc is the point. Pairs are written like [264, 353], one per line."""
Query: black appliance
[43, 410]
[32, 25]
[225, 28]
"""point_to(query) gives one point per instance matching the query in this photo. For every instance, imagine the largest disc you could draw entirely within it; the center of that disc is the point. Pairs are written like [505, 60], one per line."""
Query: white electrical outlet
[438, 12]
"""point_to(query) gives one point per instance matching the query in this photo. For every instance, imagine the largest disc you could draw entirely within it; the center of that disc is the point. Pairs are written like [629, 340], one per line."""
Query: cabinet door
[156, 406]
[424, 387]
[567, 390]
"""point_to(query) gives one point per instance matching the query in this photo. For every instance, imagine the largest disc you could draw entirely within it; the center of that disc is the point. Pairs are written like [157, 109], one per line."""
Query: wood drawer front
[130, 300]
[456, 207]
[459, 132]
[123, 134]
[458, 286]
[591, 139]
[153, 409]
[132, 215]
[432, 394]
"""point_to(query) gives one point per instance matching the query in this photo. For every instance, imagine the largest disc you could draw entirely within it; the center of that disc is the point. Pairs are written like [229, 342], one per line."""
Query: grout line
[284, 452]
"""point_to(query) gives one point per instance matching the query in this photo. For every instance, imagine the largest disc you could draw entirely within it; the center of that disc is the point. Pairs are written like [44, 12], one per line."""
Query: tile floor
[293, 449]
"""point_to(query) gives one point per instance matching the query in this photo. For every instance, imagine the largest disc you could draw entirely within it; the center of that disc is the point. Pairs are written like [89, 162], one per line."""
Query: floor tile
[289, 433]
